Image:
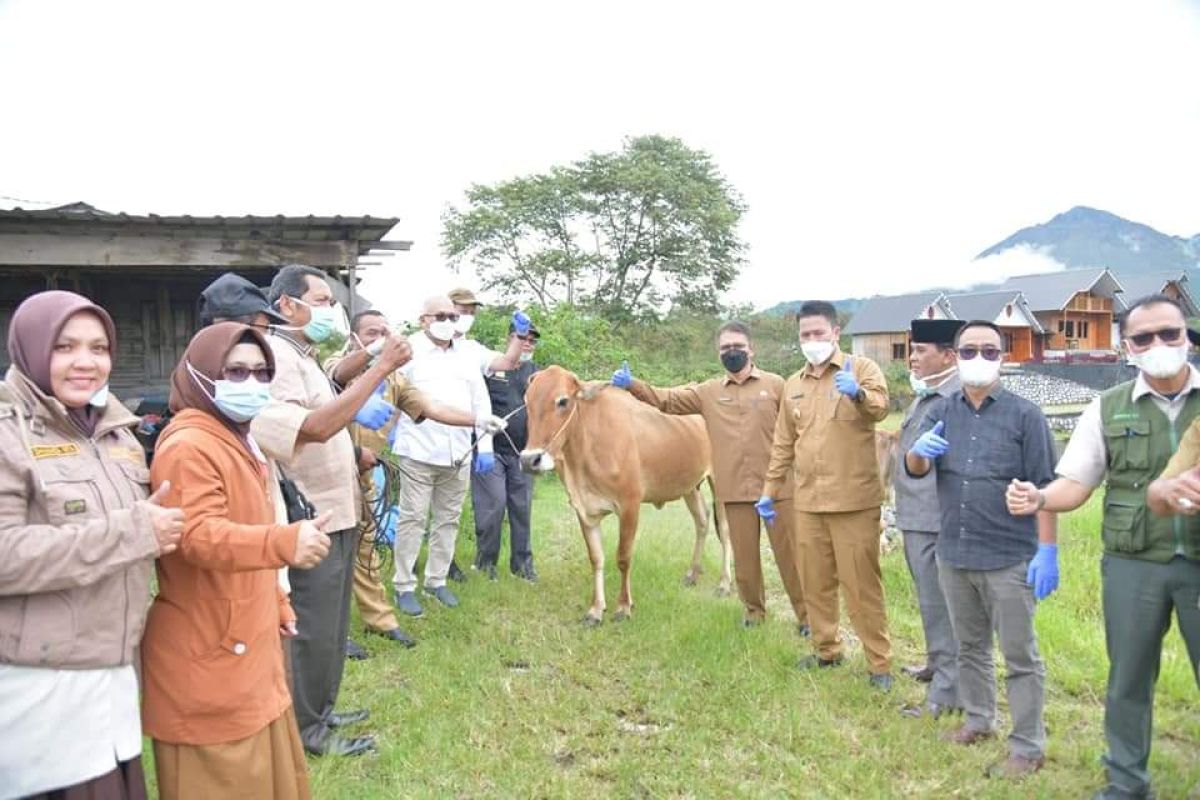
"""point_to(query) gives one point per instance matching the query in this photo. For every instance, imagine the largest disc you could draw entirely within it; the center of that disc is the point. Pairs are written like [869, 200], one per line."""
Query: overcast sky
[879, 146]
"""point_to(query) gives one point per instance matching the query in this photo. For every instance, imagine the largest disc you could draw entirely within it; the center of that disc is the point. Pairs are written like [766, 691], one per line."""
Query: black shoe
[344, 746]
[396, 635]
[1111, 792]
[816, 662]
[455, 573]
[526, 572]
[920, 674]
[881, 681]
[355, 651]
[932, 710]
[804, 630]
[341, 720]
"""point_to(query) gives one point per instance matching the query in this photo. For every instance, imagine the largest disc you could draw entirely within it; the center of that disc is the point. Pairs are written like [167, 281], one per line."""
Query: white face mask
[921, 387]
[442, 331]
[978, 371]
[465, 321]
[1161, 361]
[817, 353]
[100, 398]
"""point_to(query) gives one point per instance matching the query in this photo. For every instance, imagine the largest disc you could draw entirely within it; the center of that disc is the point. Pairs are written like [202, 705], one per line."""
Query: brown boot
[1015, 767]
[968, 736]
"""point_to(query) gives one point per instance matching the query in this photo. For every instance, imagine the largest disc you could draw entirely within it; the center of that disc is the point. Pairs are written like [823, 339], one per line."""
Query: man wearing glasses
[1151, 563]
[991, 565]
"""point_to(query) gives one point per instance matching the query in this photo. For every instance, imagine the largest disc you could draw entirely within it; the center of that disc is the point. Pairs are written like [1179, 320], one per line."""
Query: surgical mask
[978, 371]
[321, 324]
[465, 321]
[817, 353]
[921, 387]
[100, 398]
[1161, 361]
[443, 331]
[240, 401]
[525, 358]
[735, 361]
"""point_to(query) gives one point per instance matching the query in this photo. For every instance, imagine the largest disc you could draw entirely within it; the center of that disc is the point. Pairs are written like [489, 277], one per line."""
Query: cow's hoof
[592, 622]
[689, 579]
[722, 591]
[622, 615]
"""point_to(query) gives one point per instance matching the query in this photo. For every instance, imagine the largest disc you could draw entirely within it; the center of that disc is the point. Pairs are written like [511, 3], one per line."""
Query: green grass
[510, 696]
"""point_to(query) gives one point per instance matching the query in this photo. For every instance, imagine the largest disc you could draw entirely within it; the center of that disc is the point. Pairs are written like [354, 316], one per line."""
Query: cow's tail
[712, 491]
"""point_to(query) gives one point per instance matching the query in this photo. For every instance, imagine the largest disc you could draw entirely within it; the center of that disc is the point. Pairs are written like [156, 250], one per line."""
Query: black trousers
[321, 599]
[505, 487]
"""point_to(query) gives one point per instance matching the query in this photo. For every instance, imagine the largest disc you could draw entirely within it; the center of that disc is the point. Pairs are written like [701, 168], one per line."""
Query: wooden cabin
[148, 271]
[1009, 311]
[1076, 309]
[879, 329]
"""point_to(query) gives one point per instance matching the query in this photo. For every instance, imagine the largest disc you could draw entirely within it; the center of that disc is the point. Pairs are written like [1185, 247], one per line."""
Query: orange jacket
[212, 661]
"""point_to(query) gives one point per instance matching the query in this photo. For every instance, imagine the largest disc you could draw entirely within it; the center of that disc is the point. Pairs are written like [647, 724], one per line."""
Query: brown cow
[613, 454]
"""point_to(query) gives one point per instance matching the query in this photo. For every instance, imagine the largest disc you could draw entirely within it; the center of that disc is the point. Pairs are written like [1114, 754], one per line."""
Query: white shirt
[60, 727]
[1086, 459]
[483, 355]
[451, 376]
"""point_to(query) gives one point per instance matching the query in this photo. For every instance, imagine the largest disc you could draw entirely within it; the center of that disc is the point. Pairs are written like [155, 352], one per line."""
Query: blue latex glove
[521, 323]
[1043, 571]
[623, 377]
[766, 509]
[844, 381]
[484, 463]
[375, 413]
[930, 444]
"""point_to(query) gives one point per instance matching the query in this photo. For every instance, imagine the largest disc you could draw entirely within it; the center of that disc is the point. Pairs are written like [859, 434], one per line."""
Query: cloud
[1020, 259]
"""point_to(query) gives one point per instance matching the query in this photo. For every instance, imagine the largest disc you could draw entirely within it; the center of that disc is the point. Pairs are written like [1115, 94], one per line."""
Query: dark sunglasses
[1165, 335]
[529, 338]
[239, 374]
[969, 352]
[444, 316]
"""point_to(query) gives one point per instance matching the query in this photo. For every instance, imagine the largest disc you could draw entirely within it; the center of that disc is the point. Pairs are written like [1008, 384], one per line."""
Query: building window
[899, 352]
[1083, 330]
[1008, 343]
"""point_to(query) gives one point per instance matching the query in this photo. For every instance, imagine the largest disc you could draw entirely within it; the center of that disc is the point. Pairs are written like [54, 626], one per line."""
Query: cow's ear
[532, 378]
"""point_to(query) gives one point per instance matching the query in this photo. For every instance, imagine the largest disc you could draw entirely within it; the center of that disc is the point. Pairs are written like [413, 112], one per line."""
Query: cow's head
[550, 402]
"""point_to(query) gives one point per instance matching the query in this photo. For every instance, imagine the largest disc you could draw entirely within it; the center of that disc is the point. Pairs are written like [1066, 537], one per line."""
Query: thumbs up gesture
[312, 544]
[930, 444]
[845, 382]
[623, 377]
[167, 522]
[1022, 498]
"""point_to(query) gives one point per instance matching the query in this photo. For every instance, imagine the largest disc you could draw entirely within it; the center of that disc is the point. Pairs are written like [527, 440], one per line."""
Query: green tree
[621, 234]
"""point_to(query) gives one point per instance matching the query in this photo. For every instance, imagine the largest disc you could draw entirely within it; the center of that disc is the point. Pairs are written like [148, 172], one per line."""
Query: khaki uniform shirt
[827, 440]
[740, 419]
[326, 472]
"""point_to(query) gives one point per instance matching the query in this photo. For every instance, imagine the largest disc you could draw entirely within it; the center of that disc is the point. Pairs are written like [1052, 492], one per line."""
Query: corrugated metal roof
[890, 314]
[1051, 291]
[988, 305]
[1139, 286]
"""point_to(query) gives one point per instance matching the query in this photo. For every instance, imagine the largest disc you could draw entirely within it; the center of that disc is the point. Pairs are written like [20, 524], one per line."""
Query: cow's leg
[722, 523]
[695, 506]
[591, 537]
[629, 523]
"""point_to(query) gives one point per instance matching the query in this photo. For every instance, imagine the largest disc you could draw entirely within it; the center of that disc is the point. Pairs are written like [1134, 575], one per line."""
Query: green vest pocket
[1124, 528]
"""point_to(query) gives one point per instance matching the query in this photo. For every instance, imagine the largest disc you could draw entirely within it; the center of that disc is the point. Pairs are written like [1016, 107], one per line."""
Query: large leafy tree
[625, 234]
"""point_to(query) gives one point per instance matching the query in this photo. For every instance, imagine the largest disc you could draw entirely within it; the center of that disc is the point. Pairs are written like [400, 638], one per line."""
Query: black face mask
[735, 360]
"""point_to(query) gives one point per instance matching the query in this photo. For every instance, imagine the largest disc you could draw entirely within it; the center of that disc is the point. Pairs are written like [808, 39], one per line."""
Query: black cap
[533, 331]
[935, 331]
[232, 295]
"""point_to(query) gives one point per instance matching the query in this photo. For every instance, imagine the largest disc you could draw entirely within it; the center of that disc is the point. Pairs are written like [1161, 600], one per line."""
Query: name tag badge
[54, 450]
[75, 506]
[724, 399]
[126, 454]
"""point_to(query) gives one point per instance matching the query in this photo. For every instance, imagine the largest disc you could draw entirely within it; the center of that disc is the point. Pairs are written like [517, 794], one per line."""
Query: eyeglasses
[989, 353]
[444, 316]
[1165, 335]
[240, 374]
[529, 338]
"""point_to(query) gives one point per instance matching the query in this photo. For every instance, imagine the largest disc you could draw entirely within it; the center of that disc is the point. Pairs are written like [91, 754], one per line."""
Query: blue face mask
[239, 401]
[320, 325]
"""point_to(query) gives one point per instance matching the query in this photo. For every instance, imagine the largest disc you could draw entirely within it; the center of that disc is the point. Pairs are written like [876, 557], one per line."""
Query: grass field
[510, 696]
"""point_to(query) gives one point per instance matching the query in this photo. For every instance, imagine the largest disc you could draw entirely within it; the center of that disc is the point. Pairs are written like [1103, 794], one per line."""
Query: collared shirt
[63, 727]
[826, 440]
[397, 391]
[1005, 438]
[452, 376]
[740, 419]
[916, 498]
[483, 356]
[1085, 460]
[325, 472]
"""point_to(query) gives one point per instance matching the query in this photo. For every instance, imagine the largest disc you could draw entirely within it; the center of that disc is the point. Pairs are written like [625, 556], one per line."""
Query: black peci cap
[232, 295]
[935, 331]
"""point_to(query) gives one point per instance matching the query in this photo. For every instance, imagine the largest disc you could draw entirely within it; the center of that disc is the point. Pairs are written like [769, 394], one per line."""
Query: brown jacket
[212, 662]
[827, 440]
[76, 540]
[740, 419]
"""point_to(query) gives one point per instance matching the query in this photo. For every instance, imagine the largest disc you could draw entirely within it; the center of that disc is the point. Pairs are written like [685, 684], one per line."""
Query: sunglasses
[989, 353]
[444, 316]
[240, 374]
[1165, 335]
[529, 338]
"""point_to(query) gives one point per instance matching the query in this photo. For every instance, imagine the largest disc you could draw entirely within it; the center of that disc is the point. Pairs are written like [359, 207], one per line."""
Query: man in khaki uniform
[825, 442]
[739, 410]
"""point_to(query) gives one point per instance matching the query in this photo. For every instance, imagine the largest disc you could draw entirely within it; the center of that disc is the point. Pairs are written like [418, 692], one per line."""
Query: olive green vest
[1140, 439]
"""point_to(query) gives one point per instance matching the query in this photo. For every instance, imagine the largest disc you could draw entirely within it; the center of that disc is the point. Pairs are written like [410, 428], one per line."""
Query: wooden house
[1076, 309]
[1008, 310]
[879, 329]
[148, 270]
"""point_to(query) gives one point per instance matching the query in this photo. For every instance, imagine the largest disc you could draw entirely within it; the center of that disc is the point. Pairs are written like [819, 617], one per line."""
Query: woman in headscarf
[216, 699]
[77, 537]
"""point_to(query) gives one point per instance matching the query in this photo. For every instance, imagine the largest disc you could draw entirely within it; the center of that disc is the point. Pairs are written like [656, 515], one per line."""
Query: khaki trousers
[428, 491]
[842, 549]
[373, 605]
[744, 527]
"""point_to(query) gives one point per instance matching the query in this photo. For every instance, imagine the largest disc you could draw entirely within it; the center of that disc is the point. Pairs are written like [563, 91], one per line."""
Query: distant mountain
[1089, 237]
[847, 307]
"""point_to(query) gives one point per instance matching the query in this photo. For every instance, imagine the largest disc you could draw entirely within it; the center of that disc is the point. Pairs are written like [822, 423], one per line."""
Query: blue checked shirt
[1006, 438]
